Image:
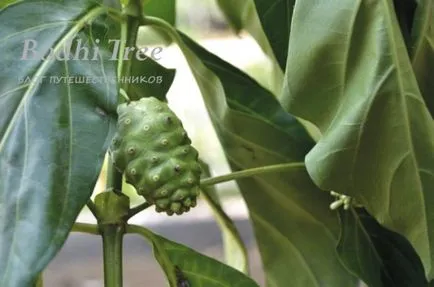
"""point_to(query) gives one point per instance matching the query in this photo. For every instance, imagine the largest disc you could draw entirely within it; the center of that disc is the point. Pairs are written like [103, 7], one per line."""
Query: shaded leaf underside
[348, 72]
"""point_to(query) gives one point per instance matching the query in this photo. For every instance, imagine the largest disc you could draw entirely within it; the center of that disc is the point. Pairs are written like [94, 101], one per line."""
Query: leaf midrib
[90, 16]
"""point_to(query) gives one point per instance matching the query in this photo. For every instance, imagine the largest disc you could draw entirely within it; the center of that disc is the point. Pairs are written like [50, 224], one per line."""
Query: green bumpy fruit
[154, 152]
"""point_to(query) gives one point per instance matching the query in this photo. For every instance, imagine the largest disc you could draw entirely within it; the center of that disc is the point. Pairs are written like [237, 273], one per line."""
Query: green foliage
[422, 52]
[234, 249]
[360, 72]
[271, 136]
[158, 78]
[153, 150]
[164, 9]
[378, 256]
[276, 16]
[243, 15]
[52, 136]
[377, 134]
[197, 269]
[5, 3]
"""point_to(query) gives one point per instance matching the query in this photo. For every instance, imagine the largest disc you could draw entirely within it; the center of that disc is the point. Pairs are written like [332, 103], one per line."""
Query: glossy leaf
[183, 264]
[379, 256]
[286, 208]
[349, 73]
[154, 80]
[423, 51]
[53, 131]
[234, 249]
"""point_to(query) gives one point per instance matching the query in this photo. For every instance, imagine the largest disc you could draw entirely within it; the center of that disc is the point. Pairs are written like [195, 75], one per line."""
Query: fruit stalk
[251, 172]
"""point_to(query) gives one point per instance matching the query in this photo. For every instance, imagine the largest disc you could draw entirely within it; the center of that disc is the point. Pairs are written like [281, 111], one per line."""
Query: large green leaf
[423, 51]
[287, 209]
[380, 257]
[183, 264]
[53, 131]
[349, 73]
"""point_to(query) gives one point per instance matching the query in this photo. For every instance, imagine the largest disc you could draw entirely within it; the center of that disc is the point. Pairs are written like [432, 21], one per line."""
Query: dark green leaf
[287, 209]
[423, 51]
[154, 79]
[234, 249]
[53, 135]
[380, 257]
[404, 10]
[197, 269]
[164, 9]
[276, 16]
[351, 76]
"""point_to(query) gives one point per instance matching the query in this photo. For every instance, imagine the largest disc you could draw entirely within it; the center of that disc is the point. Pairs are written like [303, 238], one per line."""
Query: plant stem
[114, 177]
[133, 211]
[251, 172]
[112, 238]
[129, 38]
[91, 207]
[112, 234]
[40, 281]
[86, 228]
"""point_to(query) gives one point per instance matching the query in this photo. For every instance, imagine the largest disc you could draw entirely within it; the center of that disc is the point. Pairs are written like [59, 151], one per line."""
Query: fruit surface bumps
[154, 152]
